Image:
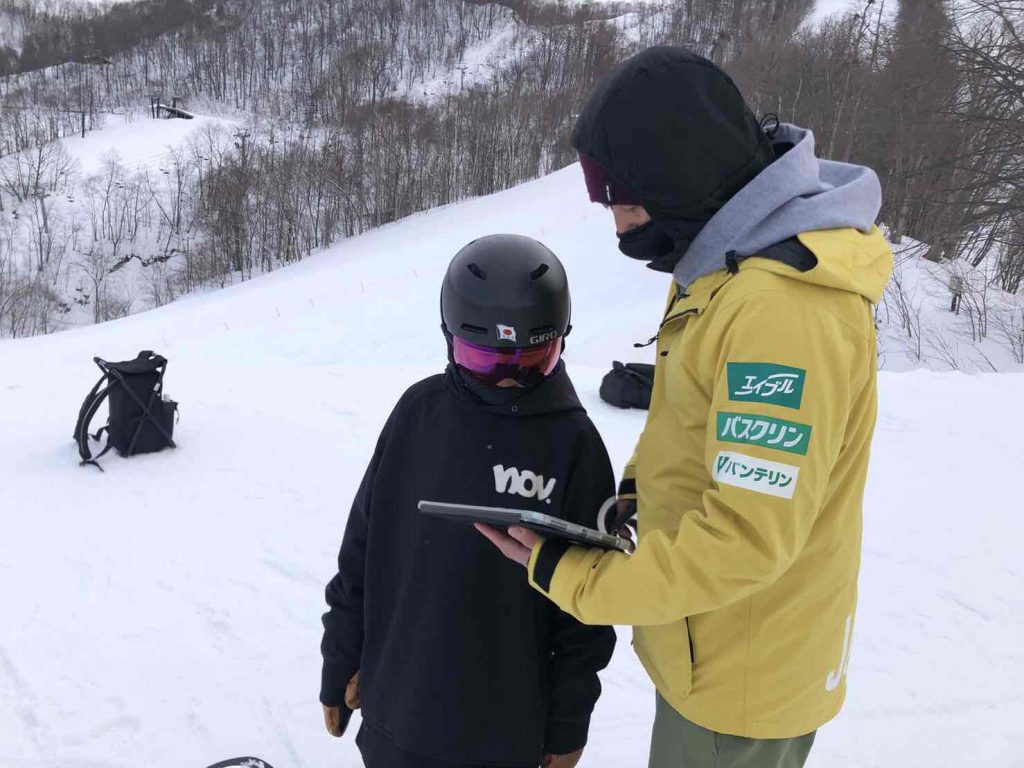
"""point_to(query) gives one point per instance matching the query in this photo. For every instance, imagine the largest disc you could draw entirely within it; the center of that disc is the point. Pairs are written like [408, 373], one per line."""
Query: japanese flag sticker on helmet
[506, 333]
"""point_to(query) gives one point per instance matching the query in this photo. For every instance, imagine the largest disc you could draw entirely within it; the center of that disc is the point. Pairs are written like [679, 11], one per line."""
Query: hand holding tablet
[546, 525]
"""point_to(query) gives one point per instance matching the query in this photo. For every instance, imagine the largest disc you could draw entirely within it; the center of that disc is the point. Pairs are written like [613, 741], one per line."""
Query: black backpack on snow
[141, 419]
[628, 385]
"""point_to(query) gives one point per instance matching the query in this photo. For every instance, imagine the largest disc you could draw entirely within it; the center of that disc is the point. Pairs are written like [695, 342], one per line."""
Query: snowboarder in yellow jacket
[749, 476]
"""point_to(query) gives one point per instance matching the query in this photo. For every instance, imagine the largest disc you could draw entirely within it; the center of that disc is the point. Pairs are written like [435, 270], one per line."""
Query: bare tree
[114, 204]
[1010, 324]
[46, 168]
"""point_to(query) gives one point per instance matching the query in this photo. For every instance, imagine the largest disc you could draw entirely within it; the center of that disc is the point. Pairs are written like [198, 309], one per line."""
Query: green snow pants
[678, 743]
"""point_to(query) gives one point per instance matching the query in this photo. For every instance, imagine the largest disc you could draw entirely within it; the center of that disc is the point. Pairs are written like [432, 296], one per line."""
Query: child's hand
[516, 545]
[352, 700]
[336, 719]
[562, 761]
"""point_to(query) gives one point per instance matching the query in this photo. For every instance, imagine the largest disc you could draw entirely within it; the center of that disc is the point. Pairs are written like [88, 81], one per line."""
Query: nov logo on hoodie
[525, 483]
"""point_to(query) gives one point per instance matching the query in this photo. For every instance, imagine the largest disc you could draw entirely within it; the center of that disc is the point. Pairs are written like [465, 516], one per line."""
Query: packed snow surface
[136, 141]
[166, 613]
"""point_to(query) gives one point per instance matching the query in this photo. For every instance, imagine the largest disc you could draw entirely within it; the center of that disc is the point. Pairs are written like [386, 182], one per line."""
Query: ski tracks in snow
[26, 706]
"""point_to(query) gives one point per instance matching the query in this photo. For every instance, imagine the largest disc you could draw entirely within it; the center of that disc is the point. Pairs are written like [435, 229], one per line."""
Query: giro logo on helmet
[506, 332]
[540, 339]
[526, 483]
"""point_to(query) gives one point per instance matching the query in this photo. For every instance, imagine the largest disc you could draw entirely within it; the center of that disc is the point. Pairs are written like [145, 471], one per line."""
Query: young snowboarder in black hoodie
[454, 660]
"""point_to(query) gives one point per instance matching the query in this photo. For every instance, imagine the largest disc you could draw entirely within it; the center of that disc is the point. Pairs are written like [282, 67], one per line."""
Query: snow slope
[133, 149]
[932, 336]
[12, 30]
[137, 141]
[166, 613]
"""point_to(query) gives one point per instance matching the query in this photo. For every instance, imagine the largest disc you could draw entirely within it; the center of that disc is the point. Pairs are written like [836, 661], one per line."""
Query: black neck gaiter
[489, 393]
[660, 243]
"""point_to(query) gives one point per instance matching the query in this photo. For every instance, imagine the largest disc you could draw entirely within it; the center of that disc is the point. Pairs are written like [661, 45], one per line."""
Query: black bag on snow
[141, 419]
[628, 385]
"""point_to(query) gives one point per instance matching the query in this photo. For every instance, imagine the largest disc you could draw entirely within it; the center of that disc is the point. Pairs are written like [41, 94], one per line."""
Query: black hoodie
[459, 659]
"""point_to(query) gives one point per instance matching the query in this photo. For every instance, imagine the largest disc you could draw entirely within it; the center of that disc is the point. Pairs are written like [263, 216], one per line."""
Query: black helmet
[505, 291]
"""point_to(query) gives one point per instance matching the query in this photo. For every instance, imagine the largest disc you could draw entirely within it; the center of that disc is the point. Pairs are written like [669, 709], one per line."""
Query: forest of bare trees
[360, 112]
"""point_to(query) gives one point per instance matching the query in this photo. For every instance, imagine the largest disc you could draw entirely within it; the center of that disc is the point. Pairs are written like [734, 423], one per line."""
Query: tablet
[536, 521]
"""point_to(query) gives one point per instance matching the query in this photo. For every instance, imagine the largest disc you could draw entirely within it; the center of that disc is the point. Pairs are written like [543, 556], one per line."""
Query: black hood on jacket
[555, 394]
[673, 129]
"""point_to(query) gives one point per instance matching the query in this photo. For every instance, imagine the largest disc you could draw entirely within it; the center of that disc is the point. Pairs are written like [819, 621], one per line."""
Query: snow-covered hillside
[12, 30]
[136, 141]
[919, 329]
[85, 214]
[166, 613]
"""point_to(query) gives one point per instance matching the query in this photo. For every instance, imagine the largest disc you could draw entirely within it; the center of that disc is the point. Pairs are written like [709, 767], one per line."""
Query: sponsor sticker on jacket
[758, 475]
[765, 431]
[766, 383]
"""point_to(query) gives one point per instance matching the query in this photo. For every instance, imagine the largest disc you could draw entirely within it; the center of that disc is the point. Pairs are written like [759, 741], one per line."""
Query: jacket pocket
[664, 650]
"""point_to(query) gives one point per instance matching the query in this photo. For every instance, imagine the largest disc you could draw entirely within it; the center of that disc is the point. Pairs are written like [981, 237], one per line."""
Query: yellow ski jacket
[750, 477]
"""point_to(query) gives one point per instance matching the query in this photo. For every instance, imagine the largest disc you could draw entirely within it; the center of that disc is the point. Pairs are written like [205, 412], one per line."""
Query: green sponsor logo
[766, 383]
[779, 434]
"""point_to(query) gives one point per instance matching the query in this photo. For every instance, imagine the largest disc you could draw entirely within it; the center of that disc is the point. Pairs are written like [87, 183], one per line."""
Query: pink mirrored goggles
[494, 364]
